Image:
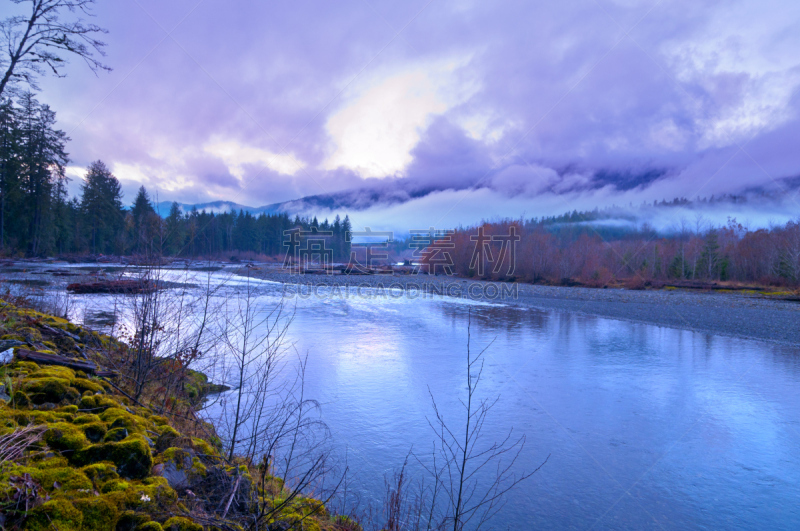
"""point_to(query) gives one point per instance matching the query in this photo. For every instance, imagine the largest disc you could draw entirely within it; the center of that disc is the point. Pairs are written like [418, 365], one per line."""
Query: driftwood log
[114, 286]
[54, 359]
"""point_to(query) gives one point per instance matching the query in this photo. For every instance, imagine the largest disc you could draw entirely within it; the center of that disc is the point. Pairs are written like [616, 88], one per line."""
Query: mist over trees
[549, 250]
[37, 218]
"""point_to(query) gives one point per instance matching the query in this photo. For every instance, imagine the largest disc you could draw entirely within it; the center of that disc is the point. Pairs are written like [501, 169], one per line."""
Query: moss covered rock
[99, 473]
[54, 475]
[99, 514]
[178, 523]
[50, 389]
[115, 435]
[84, 384]
[131, 457]
[131, 520]
[64, 436]
[55, 514]
[180, 467]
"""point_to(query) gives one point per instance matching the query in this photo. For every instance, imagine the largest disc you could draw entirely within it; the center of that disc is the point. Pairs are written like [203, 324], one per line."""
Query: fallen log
[62, 361]
[114, 286]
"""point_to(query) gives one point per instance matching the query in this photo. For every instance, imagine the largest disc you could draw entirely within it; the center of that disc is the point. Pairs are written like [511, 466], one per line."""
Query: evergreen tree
[173, 239]
[101, 206]
[9, 163]
[42, 162]
[710, 260]
[347, 229]
[144, 223]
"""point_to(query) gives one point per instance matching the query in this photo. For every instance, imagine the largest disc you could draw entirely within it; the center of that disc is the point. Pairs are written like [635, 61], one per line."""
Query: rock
[7, 355]
[131, 456]
[178, 523]
[54, 514]
[115, 435]
[53, 390]
[3, 395]
[179, 467]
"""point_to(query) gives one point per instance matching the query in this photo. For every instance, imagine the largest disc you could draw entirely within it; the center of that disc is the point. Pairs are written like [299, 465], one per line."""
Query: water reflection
[647, 427]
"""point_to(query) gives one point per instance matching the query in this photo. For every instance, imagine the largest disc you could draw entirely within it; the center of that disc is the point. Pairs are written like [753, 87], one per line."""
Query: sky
[442, 112]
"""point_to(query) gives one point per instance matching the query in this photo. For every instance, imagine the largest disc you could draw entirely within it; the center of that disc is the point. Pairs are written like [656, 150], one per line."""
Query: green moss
[130, 521]
[152, 492]
[65, 437]
[70, 409]
[132, 456]
[94, 431]
[23, 366]
[158, 420]
[49, 389]
[54, 475]
[150, 526]
[100, 473]
[119, 418]
[294, 521]
[31, 335]
[20, 399]
[273, 486]
[55, 514]
[32, 416]
[166, 429]
[346, 523]
[203, 447]
[96, 403]
[178, 523]
[98, 514]
[115, 435]
[86, 418]
[115, 485]
[83, 385]
[53, 371]
[66, 343]
[167, 436]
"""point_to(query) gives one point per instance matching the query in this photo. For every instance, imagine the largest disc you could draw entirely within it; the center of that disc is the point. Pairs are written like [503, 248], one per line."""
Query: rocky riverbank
[78, 453]
[749, 315]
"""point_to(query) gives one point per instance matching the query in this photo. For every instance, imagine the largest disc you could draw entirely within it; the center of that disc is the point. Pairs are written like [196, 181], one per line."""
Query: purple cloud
[267, 102]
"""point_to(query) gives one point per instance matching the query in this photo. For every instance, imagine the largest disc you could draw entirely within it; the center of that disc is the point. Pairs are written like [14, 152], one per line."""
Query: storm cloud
[451, 110]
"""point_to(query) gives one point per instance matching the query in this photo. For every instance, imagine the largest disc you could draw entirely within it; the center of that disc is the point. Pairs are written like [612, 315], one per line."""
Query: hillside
[76, 453]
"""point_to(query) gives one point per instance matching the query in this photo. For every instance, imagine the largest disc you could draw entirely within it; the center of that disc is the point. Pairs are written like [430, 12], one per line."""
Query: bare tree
[166, 331]
[267, 421]
[38, 42]
[471, 477]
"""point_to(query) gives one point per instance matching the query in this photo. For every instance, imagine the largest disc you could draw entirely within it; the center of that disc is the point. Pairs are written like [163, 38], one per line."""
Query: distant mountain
[217, 207]
[403, 191]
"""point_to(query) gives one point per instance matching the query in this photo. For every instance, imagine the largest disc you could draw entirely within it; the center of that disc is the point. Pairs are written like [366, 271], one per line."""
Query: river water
[645, 427]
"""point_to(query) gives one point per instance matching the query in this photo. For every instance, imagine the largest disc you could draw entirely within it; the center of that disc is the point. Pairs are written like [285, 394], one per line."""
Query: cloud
[236, 156]
[384, 119]
[500, 107]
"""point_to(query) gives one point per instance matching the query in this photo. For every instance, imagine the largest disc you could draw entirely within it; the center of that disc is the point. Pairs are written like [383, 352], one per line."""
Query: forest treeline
[37, 218]
[541, 250]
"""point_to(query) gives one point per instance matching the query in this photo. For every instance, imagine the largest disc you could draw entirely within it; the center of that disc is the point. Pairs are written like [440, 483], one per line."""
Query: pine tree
[144, 223]
[9, 163]
[101, 205]
[42, 163]
[347, 229]
[173, 239]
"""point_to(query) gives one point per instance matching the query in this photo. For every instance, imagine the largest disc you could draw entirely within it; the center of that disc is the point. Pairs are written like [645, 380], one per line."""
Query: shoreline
[732, 314]
[739, 314]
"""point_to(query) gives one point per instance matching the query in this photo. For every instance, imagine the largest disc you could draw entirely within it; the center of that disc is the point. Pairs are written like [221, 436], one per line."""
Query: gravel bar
[748, 316]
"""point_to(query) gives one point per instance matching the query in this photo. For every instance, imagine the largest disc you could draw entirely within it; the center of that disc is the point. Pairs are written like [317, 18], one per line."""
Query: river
[645, 427]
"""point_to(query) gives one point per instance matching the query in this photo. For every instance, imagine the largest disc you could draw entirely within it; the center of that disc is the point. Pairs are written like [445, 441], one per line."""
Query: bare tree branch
[39, 43]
